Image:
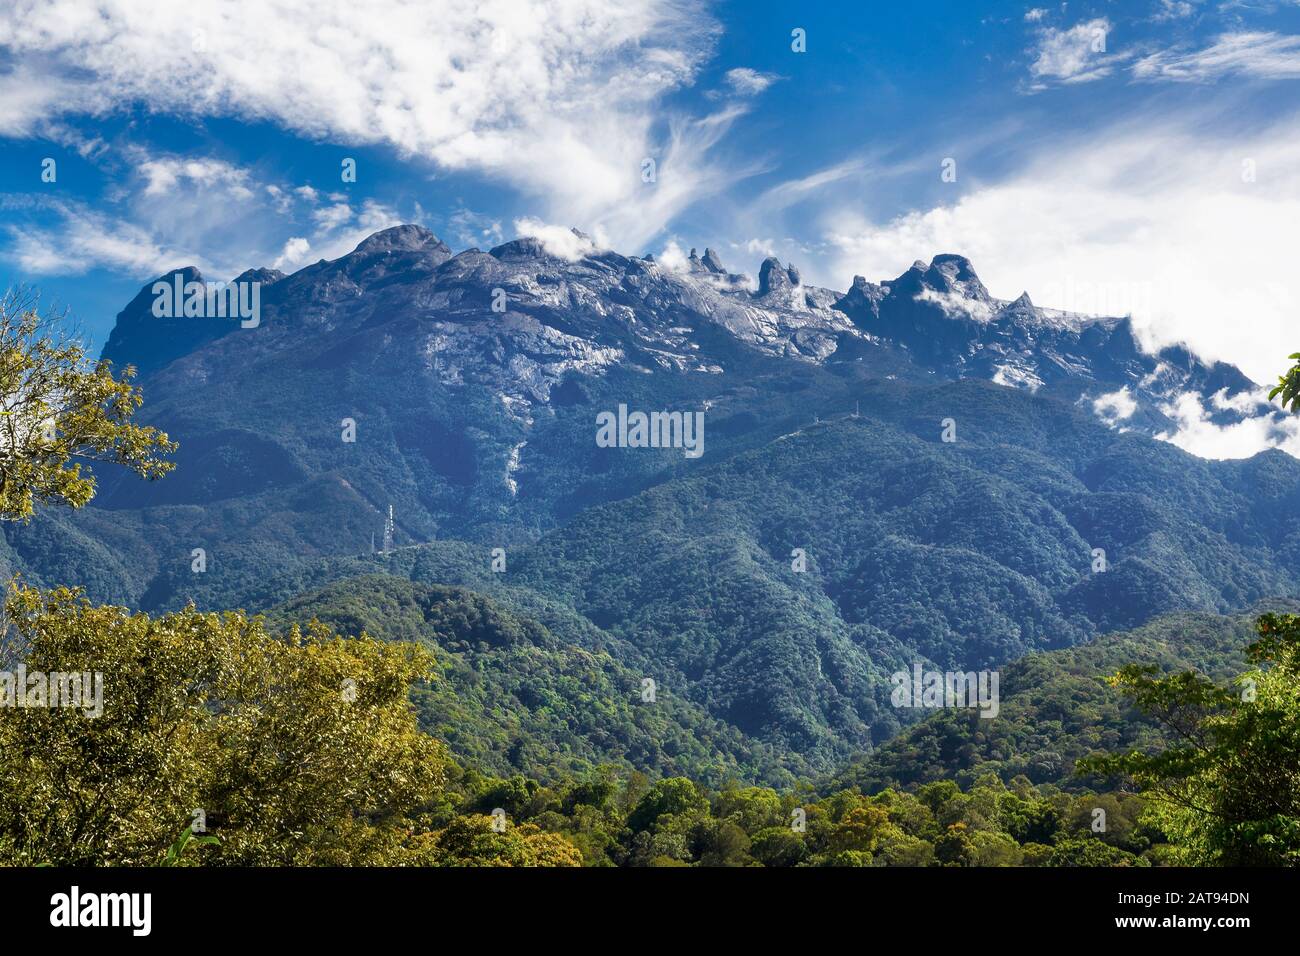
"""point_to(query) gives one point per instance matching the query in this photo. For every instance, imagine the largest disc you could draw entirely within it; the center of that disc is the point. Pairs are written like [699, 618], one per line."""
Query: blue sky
[1117, 157]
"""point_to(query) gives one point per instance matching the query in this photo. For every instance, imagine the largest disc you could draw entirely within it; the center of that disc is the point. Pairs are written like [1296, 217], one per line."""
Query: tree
[778, 846]
[1089, 852]
[1288, 386]
[675, 796]
[292, 750]
[57, 410]
[1228, 791]
[859, 829]
[472, 841]
[720, 843]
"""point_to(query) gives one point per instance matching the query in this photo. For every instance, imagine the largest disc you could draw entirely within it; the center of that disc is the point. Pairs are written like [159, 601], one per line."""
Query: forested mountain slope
[908, 472]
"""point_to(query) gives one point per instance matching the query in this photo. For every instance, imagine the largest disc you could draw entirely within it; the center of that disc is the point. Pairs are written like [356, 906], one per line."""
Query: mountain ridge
[941, 515]
[937, 316]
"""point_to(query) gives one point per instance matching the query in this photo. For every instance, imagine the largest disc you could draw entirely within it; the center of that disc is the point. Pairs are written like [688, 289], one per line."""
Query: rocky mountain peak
[773, 277]
[713, 263]
[264, 276]
[588, 315]
[405, 238]
[954, 274]
[527, 247]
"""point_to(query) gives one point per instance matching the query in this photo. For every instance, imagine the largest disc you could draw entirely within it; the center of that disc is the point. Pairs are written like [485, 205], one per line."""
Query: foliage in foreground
[1227, 789]
[305, 750]
[58, 409]
[295, 751]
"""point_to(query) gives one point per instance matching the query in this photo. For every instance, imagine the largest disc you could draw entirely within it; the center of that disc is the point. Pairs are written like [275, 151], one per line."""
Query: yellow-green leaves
[290, 752]
[59, 409]
[1288, 386]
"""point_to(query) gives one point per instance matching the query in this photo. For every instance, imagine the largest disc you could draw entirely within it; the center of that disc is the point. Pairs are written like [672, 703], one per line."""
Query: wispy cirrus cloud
[558, 98]
[1075, 55]
[1257, 55]
[51, 236]
[1173, 10]
[170, 211]
[163, 174]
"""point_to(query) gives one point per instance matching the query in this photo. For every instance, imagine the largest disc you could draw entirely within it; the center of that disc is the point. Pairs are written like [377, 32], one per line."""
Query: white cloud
[1268, 56]
[953, 303]
[560, 98]
[1152, 217]
[293, 255]
[474, 229]
[28, 94]
[757, 248]
[1196, 433]
[373, 217]
[82, 240]
[178, 211]
[1115, 407]
[1076, 55]
[1034, 14]
[164, 173]
[673, 257]
[793, 191]
[1173, 10]
[748, 82]
[1244, 402]
[559, 241]
[332, 216]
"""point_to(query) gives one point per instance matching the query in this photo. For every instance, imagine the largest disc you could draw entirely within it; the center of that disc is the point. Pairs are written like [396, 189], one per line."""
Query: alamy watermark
[683, 430]
[208, 300]
[75, 908]
[934, 689]
[39, 690]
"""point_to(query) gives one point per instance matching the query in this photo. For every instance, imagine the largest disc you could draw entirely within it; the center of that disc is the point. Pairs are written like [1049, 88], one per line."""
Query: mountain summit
[463, 391]
[518, 319]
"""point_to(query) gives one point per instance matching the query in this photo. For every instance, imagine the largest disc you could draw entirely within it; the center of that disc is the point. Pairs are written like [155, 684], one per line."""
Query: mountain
[828, 534]
[1055, 709]
[942, 314]
[512, 697]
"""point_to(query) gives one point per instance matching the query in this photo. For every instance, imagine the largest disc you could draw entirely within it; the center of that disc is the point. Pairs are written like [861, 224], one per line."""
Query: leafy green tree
[1228, 791]
[1089, 851]
[954, 847]
[472, 841]
[59, 410]
[898, 848]
[846, 859]
[675, 796]
[752, 807]
[720, 843]
[1288, 385]
[989, 848]
[859, 829]
[1028, 820]
[778, 846]
[300, 750]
